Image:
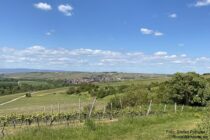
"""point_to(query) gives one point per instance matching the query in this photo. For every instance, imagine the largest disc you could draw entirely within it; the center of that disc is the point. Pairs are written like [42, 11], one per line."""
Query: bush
[28, 94]
[130, 99]
[82, 88]
[186, 88]
[73, 90]
[123, 88]
[103, 92]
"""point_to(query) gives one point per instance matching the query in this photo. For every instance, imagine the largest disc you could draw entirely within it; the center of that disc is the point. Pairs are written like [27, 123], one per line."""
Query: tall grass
[135, 128]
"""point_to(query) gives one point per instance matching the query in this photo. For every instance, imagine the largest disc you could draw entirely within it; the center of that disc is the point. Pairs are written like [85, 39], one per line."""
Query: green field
[35, 83]
[123, 127]
[52, 97]
[43, 99]
[147, 128]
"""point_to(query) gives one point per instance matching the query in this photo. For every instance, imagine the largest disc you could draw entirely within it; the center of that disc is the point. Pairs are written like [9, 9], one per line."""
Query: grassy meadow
[132, 123]
[48, 99]
[145, 128]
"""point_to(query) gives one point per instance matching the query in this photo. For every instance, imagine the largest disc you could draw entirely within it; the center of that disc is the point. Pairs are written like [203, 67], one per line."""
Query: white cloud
[66, 9]
[160, 53]
[202, 59]
[183, 55]
[171, 56]
[173, 15]
[38, 56]
[43, 6]
[201, 3]
[158, 33]
[147, 31]
[177, 61]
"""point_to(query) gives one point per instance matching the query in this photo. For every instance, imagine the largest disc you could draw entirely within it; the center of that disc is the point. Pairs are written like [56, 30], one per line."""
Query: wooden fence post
[91, 109]
[79, 110]
[164, 110]
[59, 119]
[140, 110]
[149, 108]
[121, 104]
[104, 111]
[175, 107]
[182, 107]
[111, 112]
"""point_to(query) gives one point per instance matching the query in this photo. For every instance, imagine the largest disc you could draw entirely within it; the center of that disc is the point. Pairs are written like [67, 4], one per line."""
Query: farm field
[146, 128]
[130, 123]
[104, 70]
[45, 101]
[52, 97]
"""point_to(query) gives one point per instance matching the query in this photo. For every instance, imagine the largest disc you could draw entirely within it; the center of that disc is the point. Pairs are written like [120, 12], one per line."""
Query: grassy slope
[6, 98]
[34, 83]
[150, 128]
[47, 99]
[139, 81]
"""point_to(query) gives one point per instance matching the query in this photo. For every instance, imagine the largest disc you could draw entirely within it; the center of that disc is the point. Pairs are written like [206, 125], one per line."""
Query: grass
[144, 128]
[52, 97]
[138, 128]
[34, 83]
[6, 98]
[45, 100]
[140, 81]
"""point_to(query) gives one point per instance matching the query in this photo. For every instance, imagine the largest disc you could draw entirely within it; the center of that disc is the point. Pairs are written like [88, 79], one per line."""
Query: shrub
[103, 92]
[73, 90]
[28, 94]
[186, 88]
[81, 88]
[130, 99]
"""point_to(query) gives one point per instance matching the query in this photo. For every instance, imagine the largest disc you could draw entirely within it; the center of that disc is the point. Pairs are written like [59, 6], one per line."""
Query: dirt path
[15, 99]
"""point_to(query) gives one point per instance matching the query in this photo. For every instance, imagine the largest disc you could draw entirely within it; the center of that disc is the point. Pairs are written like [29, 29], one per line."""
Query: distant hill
[22, 70]
[53, 74]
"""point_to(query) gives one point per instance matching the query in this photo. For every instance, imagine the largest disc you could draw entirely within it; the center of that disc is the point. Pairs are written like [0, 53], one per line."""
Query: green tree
[187, 88]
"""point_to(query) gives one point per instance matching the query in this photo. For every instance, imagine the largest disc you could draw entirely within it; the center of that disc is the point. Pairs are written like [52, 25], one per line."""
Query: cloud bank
[100, 60]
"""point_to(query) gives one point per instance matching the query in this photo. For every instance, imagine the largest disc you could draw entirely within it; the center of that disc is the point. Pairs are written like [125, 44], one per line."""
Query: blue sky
[152, 36]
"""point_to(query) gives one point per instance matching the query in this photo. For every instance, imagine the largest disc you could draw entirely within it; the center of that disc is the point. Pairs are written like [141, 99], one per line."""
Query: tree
[28, 94]
[187, 88]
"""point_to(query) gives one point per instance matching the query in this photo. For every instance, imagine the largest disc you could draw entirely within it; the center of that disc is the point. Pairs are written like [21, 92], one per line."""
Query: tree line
[12, 86]
[182, 88]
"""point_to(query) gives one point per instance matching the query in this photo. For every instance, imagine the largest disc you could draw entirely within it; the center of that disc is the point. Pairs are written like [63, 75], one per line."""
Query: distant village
[93, 79]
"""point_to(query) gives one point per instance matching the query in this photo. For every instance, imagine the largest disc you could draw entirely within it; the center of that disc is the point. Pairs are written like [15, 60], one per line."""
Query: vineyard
[56, 118]
[97, 108]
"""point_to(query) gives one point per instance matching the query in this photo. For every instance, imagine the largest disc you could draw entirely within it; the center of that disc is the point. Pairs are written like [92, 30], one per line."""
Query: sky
[145, 36]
